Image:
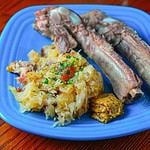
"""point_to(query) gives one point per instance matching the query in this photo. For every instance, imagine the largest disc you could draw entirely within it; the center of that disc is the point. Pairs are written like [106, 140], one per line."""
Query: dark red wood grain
[12, 138]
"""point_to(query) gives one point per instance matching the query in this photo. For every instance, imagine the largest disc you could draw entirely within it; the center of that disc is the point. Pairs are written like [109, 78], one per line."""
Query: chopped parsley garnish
[45, 81]
[65, 64]
[57, 73]
[52, 79]
[52, 68]
[70, 81]
[68, 56]
[81, 69]
[77, 73]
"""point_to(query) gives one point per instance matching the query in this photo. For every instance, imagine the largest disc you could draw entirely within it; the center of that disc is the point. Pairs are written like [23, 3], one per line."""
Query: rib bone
[124, 39]
[123, 80]
[59, 34]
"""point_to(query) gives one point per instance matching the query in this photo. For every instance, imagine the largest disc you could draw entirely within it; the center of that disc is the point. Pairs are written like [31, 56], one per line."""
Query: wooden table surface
[12, 138]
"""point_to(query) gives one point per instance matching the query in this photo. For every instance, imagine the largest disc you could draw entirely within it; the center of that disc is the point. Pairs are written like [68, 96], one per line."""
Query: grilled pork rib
[125, 83]
[124, 39]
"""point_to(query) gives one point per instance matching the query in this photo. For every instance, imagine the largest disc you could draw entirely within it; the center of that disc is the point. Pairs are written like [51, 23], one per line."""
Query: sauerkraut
[60, 85]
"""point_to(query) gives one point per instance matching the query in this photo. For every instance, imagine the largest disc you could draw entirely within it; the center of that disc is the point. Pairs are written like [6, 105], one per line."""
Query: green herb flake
[52, 68]
[54, 79]
[68, 56]
[73, 60]
[63, 65]
[57, 73]
[77, 73]
[70, 81]
[81, 69]
[45, 81]
[66, 64]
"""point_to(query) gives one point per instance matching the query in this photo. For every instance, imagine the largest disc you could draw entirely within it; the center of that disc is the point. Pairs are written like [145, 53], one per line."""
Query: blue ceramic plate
[18, 38]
